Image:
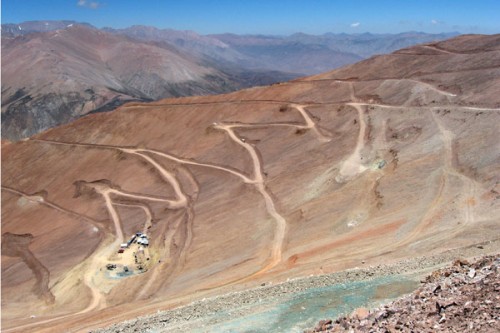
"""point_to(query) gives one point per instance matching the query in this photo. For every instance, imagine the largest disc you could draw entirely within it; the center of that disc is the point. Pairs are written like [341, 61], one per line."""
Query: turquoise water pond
[304, 309]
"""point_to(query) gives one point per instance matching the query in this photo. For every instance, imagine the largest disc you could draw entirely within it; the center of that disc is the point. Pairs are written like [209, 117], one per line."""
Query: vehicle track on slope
[430, 86]
[100, 256]
[147, 212]
[181, 202]
[169, 156]
[257, 180]
[96, 296]
[171, 179]
[43, 201]
[470, 186]
[435, 48]
[461, 107]
[353, 165]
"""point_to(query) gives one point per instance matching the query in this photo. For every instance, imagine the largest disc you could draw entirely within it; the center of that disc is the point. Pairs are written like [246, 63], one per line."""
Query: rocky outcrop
[461, 298]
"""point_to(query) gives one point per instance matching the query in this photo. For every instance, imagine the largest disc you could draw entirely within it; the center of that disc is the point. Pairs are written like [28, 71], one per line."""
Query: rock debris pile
[462, 298]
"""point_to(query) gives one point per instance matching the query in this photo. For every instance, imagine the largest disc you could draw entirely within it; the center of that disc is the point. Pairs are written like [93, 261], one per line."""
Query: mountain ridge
[80, 69]
[224, 47]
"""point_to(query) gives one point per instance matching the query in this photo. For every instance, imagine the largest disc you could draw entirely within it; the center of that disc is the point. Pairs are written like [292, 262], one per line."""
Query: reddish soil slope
[395, 156]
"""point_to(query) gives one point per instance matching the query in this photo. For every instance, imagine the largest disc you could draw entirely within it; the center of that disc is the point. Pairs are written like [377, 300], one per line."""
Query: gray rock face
[27, 115]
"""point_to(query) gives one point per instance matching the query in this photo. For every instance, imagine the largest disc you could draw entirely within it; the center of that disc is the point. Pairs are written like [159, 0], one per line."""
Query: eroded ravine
[15, 245]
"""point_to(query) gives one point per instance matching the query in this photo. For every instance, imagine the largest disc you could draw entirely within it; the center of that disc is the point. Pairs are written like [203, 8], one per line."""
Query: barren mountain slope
[312, 54]
[189, 41]
[78, 69]
[251, 52]
[393, 157]
[54, 77]
[297, 53]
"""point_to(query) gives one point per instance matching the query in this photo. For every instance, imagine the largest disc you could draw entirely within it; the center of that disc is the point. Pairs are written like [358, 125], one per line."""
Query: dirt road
[353, 165]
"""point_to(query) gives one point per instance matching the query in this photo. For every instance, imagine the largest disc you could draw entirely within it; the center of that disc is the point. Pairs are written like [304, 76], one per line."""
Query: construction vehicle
[131, 240]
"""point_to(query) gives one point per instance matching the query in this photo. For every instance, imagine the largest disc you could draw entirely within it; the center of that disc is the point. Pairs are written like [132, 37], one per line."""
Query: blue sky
[269, 16]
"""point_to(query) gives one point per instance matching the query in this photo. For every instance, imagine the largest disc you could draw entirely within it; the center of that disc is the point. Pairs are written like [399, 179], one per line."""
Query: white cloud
[439, 23]
[355, 24]
[88, 4]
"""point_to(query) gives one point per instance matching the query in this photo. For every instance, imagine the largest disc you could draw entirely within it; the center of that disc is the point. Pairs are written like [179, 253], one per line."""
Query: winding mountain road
[349, 168]
[257, 179]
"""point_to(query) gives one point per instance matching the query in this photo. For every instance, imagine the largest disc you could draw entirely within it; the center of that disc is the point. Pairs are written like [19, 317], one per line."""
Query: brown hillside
[54, 77]
[393, 157]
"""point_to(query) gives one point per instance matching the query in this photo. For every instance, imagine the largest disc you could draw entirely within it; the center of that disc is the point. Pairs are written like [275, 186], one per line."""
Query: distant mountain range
[56, 71]
[297, 53]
